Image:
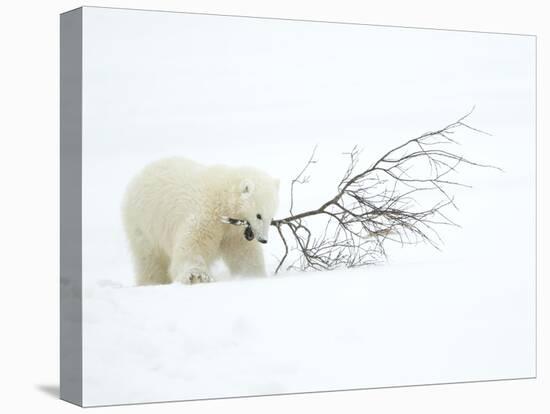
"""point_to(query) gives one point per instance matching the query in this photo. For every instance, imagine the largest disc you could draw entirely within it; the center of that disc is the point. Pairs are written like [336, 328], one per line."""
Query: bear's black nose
[262, 241]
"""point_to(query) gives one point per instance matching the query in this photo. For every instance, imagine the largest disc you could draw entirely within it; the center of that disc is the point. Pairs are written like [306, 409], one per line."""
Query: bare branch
[401, 197]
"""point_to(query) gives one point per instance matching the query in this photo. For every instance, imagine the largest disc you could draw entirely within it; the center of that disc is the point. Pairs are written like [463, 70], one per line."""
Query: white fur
[173, 215]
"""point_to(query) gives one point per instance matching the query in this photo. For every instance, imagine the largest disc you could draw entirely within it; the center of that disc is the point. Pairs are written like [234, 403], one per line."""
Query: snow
[264, 93]
[292, 333]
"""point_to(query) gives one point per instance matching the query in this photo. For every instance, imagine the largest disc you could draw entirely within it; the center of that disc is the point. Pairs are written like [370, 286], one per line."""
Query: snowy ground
[384, 326]
[230, 95]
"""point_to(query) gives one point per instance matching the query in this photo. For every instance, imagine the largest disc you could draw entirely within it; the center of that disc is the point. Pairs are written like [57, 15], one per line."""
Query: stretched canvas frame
[138, 86]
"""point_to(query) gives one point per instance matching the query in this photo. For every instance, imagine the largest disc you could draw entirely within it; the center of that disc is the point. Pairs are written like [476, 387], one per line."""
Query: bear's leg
[151, 264]
[189, 268]
[196, 246]
[191, 258]
[244, 258]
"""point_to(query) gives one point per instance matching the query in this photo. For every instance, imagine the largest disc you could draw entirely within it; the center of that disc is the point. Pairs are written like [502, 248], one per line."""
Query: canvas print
[270, 206]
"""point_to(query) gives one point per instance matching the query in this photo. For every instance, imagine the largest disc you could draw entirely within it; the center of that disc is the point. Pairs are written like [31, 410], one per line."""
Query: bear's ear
[247, 188]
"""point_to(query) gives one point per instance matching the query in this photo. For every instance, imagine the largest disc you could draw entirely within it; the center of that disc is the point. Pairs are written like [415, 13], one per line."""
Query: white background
[30, 125]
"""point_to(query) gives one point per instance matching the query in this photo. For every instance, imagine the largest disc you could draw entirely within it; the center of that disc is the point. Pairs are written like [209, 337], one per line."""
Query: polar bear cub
[177, 216]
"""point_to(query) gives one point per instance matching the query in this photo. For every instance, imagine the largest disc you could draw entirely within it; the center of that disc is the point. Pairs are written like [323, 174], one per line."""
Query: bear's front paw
[196, 275]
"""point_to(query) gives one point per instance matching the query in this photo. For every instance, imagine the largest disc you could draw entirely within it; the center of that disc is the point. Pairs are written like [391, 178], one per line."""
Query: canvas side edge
[71, 206]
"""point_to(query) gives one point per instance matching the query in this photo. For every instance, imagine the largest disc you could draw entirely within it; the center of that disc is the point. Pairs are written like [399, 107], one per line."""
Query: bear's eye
[259, 216]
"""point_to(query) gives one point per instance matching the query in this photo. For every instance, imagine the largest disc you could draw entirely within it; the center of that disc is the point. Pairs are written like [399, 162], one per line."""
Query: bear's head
[257, 202]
